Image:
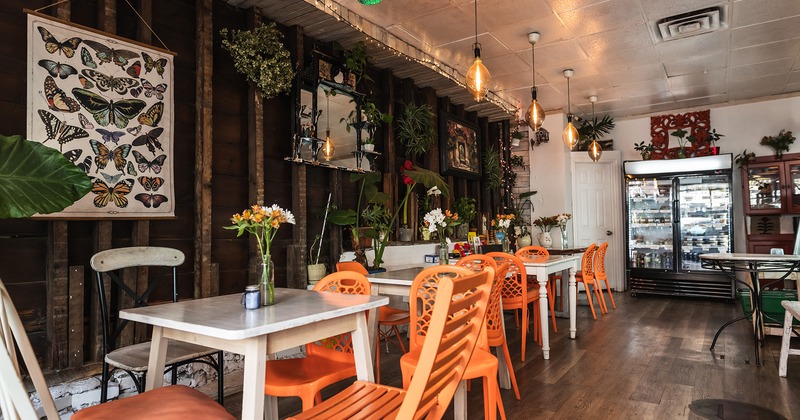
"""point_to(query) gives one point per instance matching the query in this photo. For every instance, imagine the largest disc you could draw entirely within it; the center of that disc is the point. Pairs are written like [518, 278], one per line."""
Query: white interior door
[598, 208]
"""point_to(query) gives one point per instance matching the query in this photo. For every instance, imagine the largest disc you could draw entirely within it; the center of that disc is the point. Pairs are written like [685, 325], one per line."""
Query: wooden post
[297, 254]
[203, 147]
[335, 187]
[75, 305]
[255, 145]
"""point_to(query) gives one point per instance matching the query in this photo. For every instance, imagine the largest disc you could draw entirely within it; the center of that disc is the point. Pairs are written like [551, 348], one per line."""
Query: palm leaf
[428, 179]
[37, 179]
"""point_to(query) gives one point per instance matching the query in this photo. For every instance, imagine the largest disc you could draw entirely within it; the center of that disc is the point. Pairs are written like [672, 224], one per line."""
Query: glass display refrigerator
[677, 210]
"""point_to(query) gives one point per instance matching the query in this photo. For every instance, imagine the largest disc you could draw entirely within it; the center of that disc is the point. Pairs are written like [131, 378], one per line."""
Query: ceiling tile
[765, 52]
[560, 55]
[703, 91]
[702, 102]
[765, 33]
[462, 52]
[602, 17]
[555, 75]
[794, 77]
[515, 35]
[712, 77]
[659, 9]
[636, 74]
[698, 45]
[507, 64]
[500, 13]
[766, 68]
[559, 6]
[750, 12]
[769, 84]
[635, 36]
[443, 26]
[696, 64]
[642, 88]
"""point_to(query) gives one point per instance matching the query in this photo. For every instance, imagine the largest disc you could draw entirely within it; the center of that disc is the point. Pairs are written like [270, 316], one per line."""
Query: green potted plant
[491, 168]
[680, 134]
[355, 61]
[779, 143]
[415, 129]
[713, 137]
[517, 134]
[592, 130]
[465, 208]
[36, 179]
[744, 158]
[260, 56]
[373, 118]
[646, 150]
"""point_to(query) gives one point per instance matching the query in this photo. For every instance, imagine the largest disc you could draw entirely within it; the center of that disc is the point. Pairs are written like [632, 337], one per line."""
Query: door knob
[609, 233]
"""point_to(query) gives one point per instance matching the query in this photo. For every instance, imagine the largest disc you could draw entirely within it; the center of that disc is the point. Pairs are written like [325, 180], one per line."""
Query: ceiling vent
[692, 23]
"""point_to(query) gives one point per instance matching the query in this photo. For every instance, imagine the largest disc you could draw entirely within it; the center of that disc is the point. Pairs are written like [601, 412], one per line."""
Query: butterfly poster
[106, 103]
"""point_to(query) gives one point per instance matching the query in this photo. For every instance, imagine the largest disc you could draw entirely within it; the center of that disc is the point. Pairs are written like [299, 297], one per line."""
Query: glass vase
[506, 244]
[266, 283]
[444, 255]
[564, 240]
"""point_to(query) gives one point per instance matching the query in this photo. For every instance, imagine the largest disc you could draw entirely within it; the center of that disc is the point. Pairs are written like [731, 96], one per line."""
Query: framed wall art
[106, 103]
[666, 145]
[459, 147]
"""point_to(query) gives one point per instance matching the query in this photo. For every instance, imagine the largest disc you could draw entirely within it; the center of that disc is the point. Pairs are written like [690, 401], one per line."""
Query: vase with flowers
[562, 220]
[441, 223]
[263, 223]
[545, 224]
[501, 223]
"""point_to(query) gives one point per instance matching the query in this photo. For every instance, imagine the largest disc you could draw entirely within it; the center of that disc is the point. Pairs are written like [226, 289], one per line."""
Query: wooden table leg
[541, 277]
[504, 378]
[361, 349]
[255, 370]
[573, 303]
[158, 357]
[460, 402]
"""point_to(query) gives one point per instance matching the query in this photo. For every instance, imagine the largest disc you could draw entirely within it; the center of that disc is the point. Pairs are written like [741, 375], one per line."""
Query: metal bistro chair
[166, 403]
[134, 358]
[459, 307]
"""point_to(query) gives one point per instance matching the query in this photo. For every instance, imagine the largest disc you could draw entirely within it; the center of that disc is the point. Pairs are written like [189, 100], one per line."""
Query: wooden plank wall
[229, 146]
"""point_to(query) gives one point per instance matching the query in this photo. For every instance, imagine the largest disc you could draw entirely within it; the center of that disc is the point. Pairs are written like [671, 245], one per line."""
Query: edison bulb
[478, 78]
[595, 151]
[535, 115]
[327, 147]
[570, 134]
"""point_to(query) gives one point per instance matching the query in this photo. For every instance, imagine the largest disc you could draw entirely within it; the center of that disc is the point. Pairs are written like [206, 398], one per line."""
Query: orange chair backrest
[339, 347]
[476, 262]
[514, 284]
[532, 252]
[456, 319]
[351, 266]
[600, 262]
[587, 263]
[494, 322]
[422, 296]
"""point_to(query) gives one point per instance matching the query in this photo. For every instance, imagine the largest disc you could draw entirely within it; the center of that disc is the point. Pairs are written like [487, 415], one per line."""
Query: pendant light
[570, 133]
[535, 114]
[595, 149]
[327, 147]
[478, 76]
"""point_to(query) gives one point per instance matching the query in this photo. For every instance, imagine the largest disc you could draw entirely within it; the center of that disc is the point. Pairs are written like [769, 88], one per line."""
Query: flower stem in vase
[266, 284]
[564, 241]
[444, 255]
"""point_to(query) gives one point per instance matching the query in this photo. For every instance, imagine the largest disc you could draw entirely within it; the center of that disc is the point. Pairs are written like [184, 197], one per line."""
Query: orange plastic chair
[387, 317]
[326, 362]
[534, 252]
[459, 306]
[483, 363]
[516, 295]
[600, 274]
[586, 276]
[169, 403]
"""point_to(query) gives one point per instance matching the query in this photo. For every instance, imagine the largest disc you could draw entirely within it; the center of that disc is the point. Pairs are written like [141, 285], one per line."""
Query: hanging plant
[415, 129]
[491, 168]
[260, 56]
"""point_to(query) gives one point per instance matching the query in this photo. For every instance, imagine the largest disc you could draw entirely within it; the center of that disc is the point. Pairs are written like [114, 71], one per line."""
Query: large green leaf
[428, 179]
[37, 179]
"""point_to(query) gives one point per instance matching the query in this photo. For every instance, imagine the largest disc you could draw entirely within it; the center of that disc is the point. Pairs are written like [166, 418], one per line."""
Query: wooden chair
[133, 358]
[172, 402]
[600, 274]
[534, 252]
[387, 317]
[586, 276]
[516, 295]
[459, 305]
[326, 362]
[483, 363]
[792, 312]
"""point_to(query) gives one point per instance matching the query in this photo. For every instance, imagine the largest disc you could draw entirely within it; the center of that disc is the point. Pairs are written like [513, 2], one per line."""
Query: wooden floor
[649, 359]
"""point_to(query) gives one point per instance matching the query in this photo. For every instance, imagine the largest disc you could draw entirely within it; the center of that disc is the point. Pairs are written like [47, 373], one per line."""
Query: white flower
[563, 217]
[434, 190]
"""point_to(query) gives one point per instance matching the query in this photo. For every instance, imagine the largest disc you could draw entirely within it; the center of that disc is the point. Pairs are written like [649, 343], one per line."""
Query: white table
[298, 317]
[542, 268]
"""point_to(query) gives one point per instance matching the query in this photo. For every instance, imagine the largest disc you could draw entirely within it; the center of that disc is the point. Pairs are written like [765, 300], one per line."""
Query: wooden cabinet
[771, 195]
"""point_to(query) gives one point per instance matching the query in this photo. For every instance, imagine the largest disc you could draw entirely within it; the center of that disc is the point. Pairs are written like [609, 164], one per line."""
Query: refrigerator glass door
[650, 227]
[705, 208]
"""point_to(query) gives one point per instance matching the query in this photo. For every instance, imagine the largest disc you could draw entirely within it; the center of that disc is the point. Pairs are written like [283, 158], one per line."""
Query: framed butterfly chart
[107, 104]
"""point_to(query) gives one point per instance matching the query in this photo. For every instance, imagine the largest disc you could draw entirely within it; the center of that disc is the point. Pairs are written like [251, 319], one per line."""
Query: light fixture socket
[593, 98]
[477, 47]
[533, 37]
[533, 93]
[568, 73]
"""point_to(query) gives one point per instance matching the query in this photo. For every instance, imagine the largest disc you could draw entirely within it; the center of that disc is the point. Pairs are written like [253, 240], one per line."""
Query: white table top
[750, 257]
[224, 317]
[552, 259]
[402, 277]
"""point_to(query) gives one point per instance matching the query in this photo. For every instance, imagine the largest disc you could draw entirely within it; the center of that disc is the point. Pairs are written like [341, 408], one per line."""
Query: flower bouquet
[501, 223]
[545, 223]
[263, 223]
[440, 223]
[562, 220]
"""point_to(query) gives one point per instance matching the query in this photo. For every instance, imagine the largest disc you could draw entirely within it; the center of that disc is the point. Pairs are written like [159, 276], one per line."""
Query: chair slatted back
[456, 319]
[339, 347]
[600, 262]
[14, 400]
[476, 262]
[587, 263]
[422, 296]
[351, 266]
[532, 252]
[111, 262]
[514, 285]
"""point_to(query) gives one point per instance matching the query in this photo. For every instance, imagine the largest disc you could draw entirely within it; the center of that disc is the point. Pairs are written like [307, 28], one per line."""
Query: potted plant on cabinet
[465, 208]
[645, 150]
[779, 143]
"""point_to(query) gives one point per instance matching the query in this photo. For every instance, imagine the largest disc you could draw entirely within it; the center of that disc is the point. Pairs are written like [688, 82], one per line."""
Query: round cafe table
[753, 264]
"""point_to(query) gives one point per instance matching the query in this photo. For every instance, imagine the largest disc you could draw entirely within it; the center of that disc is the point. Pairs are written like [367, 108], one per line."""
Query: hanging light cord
[569, 105]
[328, 115]
[476, 23]
[533, 65]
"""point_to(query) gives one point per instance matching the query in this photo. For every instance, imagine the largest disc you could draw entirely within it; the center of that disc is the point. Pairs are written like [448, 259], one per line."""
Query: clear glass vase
[564, 240]
[506, 244]
[266, 283]
[444, 255]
